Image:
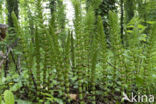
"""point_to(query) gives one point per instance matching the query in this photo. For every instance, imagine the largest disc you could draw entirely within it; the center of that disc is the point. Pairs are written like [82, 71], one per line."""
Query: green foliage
[8, 97]
[12, 6]
[94, 3]
[129, 11]
[54, 64]
[103, 10]
[0, 100]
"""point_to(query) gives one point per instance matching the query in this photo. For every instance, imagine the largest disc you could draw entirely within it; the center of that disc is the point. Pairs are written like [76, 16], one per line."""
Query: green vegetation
[110, 52]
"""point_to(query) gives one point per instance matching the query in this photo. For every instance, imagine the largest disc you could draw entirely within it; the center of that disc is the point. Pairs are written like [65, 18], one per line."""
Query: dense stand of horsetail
[105, 54]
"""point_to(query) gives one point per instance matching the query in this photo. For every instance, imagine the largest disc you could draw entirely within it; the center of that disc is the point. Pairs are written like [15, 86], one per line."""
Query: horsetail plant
[117, 49]
[24, 43]
[115, 41]
[135, 50]
[89, 32]
[47, 58]
[79, 48]
[38, 60]
[57, 59]
[93, 70]
[149, 47]
[103, 46]
[66, 69]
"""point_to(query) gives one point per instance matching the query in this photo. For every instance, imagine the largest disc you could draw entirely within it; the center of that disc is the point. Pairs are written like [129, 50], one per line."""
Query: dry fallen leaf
[73, 96]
